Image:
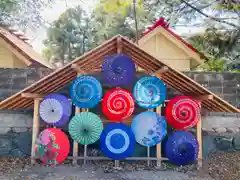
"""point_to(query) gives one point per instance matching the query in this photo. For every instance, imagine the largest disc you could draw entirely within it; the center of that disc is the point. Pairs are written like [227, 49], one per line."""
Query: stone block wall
[226, 85]
[15, 126]
[14, 80]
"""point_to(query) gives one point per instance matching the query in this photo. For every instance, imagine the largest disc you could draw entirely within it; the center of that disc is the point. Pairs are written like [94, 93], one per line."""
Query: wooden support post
[158, 147]
[148, 155]
[199, 139]
[85, 146]
[75, 144]
[35, 128]
[148, 148]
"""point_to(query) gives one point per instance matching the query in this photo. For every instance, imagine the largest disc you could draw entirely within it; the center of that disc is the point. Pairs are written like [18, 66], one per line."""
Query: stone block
[230, 90]
[200, 77]
[17, 153]
[230, 84]
[19, 83]
[215, 84]
[5, 145]
[233, 130]
[19, 73]
[215, 89]
[229, 76]
[224, 143]
[220, 122]
[23, 142]
[236, 143]
[220, 130]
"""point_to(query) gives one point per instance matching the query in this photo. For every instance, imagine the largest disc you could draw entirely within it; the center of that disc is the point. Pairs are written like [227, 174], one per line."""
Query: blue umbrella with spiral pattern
[149, 92]
[85, 91]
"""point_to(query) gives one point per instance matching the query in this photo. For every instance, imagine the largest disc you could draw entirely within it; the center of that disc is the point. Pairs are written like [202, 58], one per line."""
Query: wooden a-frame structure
[91, 62]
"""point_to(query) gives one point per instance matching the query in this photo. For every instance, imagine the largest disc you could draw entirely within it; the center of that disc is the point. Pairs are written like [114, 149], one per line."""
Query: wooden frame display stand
[159, 73]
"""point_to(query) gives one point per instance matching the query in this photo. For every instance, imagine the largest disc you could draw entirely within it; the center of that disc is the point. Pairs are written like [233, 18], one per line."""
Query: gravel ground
[222, 166]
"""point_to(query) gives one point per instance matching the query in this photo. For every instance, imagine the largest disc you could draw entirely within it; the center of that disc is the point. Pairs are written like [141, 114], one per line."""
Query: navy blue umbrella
[118, 69]
[85, 91]
[182, 148]
[117, 141]
[149, 92]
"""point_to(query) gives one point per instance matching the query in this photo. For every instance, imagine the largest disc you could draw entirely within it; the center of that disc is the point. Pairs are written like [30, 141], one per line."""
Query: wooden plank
[158, 147]
[85, 146]
[204, 97]
[119, 45]
[106, 158]
[32, 95]
[35, 128]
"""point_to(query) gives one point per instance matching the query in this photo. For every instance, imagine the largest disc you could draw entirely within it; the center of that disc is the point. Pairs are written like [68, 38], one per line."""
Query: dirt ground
[64, 172]
[218, 166]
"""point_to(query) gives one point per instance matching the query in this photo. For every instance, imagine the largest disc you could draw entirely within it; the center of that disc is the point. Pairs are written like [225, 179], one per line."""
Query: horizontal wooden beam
[203, 97]
[78, 69]
[161, 71]
[32, 95]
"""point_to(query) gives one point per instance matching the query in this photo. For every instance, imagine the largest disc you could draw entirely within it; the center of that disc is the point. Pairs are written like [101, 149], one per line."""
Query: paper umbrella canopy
[149, 128]
[55, 109]
[118, 69]
[52, 146]
[183, 112]
[85, 128]
[181, 148]
[149, 92]
[85, 91]
[118, 104]
[117, 141]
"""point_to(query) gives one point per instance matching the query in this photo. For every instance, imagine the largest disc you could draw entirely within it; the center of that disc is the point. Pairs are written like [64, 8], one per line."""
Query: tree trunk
[135, 20]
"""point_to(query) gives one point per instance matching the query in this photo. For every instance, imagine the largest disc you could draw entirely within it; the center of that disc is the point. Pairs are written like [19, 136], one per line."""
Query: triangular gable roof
[93, 60]
[30, 57]
[162, 27]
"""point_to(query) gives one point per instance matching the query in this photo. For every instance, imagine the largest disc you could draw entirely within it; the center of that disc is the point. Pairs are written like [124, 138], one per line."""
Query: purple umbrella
[55, 109]
[118, 69]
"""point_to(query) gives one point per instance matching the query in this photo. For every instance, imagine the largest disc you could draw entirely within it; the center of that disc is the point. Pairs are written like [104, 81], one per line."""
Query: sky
[52, 13]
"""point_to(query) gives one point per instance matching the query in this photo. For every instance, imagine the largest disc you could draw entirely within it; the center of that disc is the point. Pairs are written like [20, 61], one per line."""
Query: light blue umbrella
[86, 91]
[149, 128]
[149, 92]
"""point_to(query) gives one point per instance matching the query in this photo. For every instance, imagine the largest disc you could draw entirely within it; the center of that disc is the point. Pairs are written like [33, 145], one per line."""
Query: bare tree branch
[206, 15]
